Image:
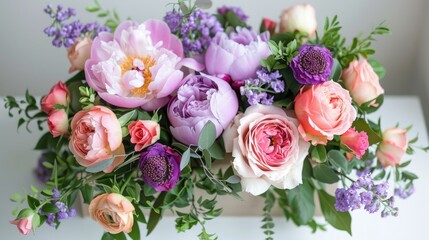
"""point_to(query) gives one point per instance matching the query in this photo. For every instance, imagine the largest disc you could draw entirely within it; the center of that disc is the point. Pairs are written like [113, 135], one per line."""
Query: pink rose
[362, 82]
[268, 150]
[393, 147]
[230, 133]
[79, 53]
[269, 25]
[144, 133]
[357, 142]
[324, 110]
[59, 94]
[24, 224]
[113, 211]
[96, 135]
[300, 17]
[58, 122]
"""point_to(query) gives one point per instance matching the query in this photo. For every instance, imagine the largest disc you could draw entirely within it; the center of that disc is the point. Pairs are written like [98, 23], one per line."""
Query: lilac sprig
[63, 213]
[196, 29]
[365, 193]
[262, 89]
[66, 34]
[238, 12]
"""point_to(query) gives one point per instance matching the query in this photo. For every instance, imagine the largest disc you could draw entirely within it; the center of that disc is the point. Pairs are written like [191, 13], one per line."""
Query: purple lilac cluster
[406, 192]
[238, 12]
[43, 174]
[66, 34]
[63, 213]
[196, 30]
[262, 88]
[363, 192]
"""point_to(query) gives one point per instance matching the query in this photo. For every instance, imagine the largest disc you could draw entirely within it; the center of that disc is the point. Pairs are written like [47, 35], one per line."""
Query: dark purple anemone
[313, 65]
[160, 167]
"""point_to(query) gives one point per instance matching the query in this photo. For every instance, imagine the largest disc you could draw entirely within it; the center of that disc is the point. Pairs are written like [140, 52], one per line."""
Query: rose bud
[24, 224]
[79, 53]
[362, 82]
[356, 141]
[113, 211]
[58, 122]
[59, 94]
[268, 25]
[300, 17]
[393, 146]
[144, 133]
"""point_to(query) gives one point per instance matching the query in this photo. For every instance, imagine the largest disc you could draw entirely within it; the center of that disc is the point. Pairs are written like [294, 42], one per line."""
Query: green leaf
[50, 208]
[107, 236]
[33, 203]
[207, 136]
[409, 175]
[301, 200]
[207, 158]
[155, 216]
[233, 179]
[36, 221]
[216, 151]
[307, 170]
[339, 220]
[15, 197]
[337, 159]
[100, 166]
[124, 119]
[336, 71]
[186, 156]
[26, 212]
[139, 214]
[378, 68]
[234, 20]
[135, 232]
[119, 236]
[318, 154]
[361, 125]
[325, 174]
[404, 164]
[92, 9]
[87, 193]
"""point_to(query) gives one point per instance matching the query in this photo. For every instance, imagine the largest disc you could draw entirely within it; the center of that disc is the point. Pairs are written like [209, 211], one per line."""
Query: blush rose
[59, 94]
[144, 133]
[393, 146]
[58, 122]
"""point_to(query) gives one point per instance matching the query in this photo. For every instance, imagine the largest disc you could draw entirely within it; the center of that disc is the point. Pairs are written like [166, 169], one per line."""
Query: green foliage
[267, 221]
[27, 109]
[301, 200]
[361, 124]
[339, 220]
[111, 17]
[88, 96]
[318, 154]
[230, 20]
[207, 136]
[325, 174]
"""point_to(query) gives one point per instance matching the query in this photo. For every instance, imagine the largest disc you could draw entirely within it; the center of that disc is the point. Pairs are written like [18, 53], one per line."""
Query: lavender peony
[237, 55]
[201, 99]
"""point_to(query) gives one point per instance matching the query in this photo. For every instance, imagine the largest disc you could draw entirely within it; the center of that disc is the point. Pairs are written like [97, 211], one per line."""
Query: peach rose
[300, 17]
[59, 94]
[113, 211]
[268, 150]
[79, 53]
[58, 122]
[356, 141]
[362, 82]
[96, 135]
[324, 110]
[393, 147]
[24, 224]
[144, 133]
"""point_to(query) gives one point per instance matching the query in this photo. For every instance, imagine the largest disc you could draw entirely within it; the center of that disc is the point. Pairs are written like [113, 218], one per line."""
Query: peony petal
[159, 32]
[218, 61]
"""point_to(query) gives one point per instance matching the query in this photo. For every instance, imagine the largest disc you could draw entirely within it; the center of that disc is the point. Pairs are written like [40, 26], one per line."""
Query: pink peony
[362, 82]
[144, 133]
[393, 147]
[300, 17]
[59, 94]
[268, 150]
[137, 66]
[237, 55]
[96, 135]
[79, 53]
[58, 122]
[113, 212]
[357, 142]
[24, 224]
[324, 110]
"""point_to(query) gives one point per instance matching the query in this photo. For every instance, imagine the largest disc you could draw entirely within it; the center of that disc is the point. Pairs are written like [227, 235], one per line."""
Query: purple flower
[366, 197]
[238, 54]
[173, 20]
[160, 167]
[404, 193]
[238, 11]
[43, 174]
[313, 65]
[381, 189]
[256, 89]
[341, 200]
[201, 99]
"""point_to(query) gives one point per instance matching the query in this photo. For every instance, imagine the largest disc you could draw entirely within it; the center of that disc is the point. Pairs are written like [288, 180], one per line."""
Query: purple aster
[173, 20]
[160, 167]
[238, 11]
[313, 65]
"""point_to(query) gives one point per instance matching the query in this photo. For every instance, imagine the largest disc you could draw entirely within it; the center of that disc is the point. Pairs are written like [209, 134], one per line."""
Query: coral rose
[58, 122]
[393, 147]
[362, 82]
[59, 94]
[113, 211]
[144, 133]
[96, 135]
[268, 150]
[79, 53]
[324, 110]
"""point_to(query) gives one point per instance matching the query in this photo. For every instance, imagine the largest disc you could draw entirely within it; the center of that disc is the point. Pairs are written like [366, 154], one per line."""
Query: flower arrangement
[197, 100]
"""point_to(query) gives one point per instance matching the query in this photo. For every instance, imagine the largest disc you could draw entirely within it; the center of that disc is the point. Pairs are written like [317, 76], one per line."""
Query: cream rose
[300, 17]
[113, 211]
[268, 150]
[362, 82]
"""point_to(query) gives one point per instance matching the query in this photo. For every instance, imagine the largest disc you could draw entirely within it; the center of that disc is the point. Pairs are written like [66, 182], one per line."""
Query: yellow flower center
[129, 64]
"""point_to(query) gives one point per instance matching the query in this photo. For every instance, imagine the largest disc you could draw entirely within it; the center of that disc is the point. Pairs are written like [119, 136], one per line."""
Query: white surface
[18, 160]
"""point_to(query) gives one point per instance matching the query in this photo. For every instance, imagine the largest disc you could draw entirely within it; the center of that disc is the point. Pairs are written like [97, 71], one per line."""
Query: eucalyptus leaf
[124, 119]
[336, 70]
[233, 179]
[207, 136]
[337, 159]
[100, 166]
[185, 159]
[325, 174]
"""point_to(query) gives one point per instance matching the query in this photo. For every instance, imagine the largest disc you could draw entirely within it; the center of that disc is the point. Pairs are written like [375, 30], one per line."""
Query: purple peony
[201, 99]
[313, 65]
[237, 55]
[160, 167]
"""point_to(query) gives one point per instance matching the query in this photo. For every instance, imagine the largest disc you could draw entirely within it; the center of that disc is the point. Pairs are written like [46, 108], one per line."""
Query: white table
[18, 161]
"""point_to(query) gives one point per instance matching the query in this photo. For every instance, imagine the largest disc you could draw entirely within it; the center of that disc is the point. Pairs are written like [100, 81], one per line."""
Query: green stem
[128, 180]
